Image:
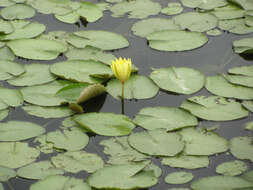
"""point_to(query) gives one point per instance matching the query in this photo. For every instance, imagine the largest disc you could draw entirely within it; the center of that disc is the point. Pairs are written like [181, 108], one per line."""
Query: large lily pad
[214, 108]
[239, 80]
[180, 80]
[10, 97]
[228, 12]
[128, 176]
[204, 4]
[17, 11]
[168, 118]
[17, 154]
[136, 87]
[236, 26]
[157, 142]
[75, 162]
[198, 22]
[39, 49]
[218, 85]
[173, 40]
[196, 142]
[6, 174]
[232, 168]
[107, 124]
[82, 71]
[8, 69]
[178, 177]
[243, 45]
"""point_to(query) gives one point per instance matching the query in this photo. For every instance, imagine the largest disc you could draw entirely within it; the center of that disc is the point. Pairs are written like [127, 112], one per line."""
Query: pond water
[217, 56]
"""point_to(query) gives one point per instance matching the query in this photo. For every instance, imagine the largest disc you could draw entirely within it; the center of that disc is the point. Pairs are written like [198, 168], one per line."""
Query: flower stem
[122, 90]
[122, 99]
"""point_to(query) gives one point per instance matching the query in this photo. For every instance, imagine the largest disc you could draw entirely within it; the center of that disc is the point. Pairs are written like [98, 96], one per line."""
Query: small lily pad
[44, 146]
[243, 46]
[232, 168]
[17, 11]
[6, 174]
[9, 69]
[172, 9]
[214, 32]
[178, 177]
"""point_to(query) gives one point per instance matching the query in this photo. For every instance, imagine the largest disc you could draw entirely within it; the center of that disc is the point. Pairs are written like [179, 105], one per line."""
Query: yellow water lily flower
[122, 68]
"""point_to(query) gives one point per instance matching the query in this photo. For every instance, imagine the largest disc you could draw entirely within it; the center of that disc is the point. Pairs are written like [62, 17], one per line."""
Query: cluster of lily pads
[59, 90]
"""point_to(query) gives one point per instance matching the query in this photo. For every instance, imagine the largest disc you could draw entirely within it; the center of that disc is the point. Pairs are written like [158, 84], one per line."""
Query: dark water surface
[215, 57]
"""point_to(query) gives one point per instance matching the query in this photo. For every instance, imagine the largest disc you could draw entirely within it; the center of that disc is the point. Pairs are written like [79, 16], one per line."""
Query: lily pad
[17, 11]
[136, 9]
[156, 142]
[218, 85]
[214, 108]
[38, 170]
[241, 148]
[197, 22]
[172, 9]
[180, 80]
[128, 176]
[75, 162]
[249, 126]
[228, 12]
[6, 174]
[235, 26]
[248, 105]
[173, 40]
[101, 39]
[204, 4]
[248, 176]
[10, 97]
[232, 168]
[187, 162]
[3, 114]
[71, 140]
[245, 46]
[239, 80]
[168, 118]
[37, 48]
[44, 146]
[6, 27]
[17, 154]
[242, 70]
[6, 54]
[178, 177]
[245, 4]
[214, 32]
[8, 69]
[196, 142]
[60, 183]
[82, 71]
[136, 87]
[107, 124]
[6, 3]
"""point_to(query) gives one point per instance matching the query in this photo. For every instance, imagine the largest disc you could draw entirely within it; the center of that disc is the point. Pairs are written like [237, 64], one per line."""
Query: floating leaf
[214, 108]
[6, 54]
[180, 80]
[107, 124]
[231, 168]
[3, 114]
[75, 162]
[17, 154]
[243, 70]
[172, 9]
[6, 174]
[187, 162]
[218, 85]
[243, 46]
[197, 22]
[44, 146]
[228, 12]
[249, 126]
[248, 176]
[178, 177]
[168, 118]
[8, 69]
[214, 32]
[17, 11]
[128, 176]
[71, 140]
[239, 80]
[248, 105]
[10, 97]
[135, 9]
[204, 4]
[91, 92]
[82, 71]
[104, 40]
[136, 87]
[241, 148]
[38, 170]
[169, 40]
[196, 142]
[6, 3]
[38, 49]
[156, 142]
[245, 4]
[60, 183]
[6, 27]
[236, 26]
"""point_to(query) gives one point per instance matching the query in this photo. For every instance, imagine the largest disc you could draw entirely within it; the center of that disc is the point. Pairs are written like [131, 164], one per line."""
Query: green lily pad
[90, 53]
[8, 69]
[172, 9]
[249, 20]
[245, 46]
[235, 26]
[6, 54]
[6, 174]
[229, 11]
[3, 114]
[44, 146]
[82, 71]
[196, 142]
[187, 162]
[26, 130]
[37, 48]
[232, 168]
[168, 118]
[242, 70]
[60, 183]
[17, 11]
[214, 108]
[6, 3]
[17, 154]
[6, 27]
[214, 32]
[71, 140]
[178, 177]
[38, 170]
[173, 40]
[249, 126]
[136, 87]
[128, 176]
[245, 4]
[220, 182]
[144, 27]
[197, 22]
[48, 112]
[107, 124]
[156, 142]
[204, 4]
[180, 80]
[239, 80]
[218, 85]
[136, 9]
[101, 39]
[248, 176]
[10, 97]
[75, 162]
[241, 148]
